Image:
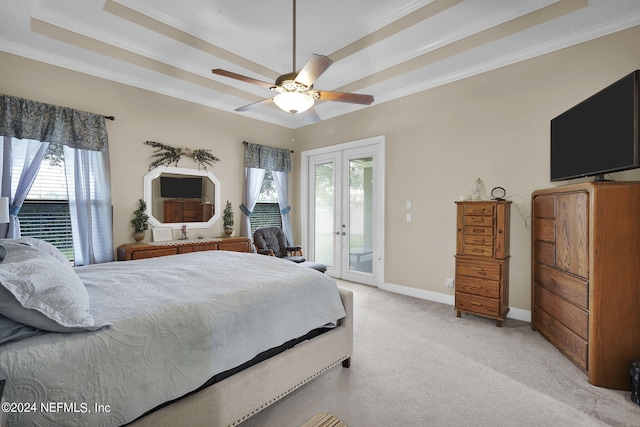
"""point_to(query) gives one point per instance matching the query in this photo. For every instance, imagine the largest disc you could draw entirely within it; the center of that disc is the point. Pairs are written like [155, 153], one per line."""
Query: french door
[345, 209]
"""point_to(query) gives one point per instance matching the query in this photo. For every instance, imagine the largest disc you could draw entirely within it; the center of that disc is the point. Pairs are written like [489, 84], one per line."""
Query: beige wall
[494, 126]
[142, 116]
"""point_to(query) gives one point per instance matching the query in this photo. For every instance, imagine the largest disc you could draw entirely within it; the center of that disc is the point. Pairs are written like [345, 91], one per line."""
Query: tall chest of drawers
[482, 259]
[585, 287]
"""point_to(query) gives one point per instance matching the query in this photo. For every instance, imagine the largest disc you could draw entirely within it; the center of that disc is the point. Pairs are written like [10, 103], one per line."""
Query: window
[45, 212]
[266, 213]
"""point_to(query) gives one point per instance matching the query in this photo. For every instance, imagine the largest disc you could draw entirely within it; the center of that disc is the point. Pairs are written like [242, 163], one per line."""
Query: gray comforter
[175, 322]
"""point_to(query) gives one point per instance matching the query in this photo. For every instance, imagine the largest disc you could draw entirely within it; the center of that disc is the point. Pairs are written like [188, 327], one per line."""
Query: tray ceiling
[388, 49]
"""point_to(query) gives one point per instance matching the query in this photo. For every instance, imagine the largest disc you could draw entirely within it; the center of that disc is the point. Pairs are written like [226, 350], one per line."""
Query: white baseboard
[514, 313]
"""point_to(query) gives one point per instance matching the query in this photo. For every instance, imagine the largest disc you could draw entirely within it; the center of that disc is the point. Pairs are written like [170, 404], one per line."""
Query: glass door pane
[361, 232]
[324, 213]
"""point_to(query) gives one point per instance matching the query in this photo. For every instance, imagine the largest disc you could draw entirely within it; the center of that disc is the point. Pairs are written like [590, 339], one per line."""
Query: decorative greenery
[227, 215]
[165, 155]
[139, 222]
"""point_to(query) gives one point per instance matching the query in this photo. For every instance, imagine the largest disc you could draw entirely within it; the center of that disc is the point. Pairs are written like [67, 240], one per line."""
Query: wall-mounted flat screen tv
[600, 134]
[181, 188]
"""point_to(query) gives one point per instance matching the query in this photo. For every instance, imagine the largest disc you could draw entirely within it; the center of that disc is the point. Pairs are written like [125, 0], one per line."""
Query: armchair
[272, 241]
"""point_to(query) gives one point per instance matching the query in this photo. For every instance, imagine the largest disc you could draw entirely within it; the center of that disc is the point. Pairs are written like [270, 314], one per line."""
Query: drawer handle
[476, 303]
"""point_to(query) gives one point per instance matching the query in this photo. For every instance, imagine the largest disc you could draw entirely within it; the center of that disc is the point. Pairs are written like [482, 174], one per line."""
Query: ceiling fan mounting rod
[294, 36]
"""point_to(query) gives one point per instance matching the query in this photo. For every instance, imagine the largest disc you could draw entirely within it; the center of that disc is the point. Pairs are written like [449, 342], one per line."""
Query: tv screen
[181, 188]
[599, 135]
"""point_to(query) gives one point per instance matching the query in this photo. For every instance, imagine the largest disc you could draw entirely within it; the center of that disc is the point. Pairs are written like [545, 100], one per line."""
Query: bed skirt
[235, 399]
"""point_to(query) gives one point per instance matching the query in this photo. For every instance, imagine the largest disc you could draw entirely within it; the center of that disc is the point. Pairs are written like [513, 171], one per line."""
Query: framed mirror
[178, 196]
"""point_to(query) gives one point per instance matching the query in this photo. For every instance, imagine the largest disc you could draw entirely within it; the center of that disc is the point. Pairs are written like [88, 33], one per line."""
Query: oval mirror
[177, 196]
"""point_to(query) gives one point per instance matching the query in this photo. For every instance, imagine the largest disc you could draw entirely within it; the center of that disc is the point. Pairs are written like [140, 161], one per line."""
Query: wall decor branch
[164, 155]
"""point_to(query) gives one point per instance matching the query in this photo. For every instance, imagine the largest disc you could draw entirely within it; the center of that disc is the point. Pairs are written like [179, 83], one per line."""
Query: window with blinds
[266, 213]
[45, 212]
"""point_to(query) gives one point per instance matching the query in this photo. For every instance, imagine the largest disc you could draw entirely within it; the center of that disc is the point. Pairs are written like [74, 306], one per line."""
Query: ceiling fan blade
[315, 66]
[242, 78]
[255, 104]
[354, 98]
[311, 115]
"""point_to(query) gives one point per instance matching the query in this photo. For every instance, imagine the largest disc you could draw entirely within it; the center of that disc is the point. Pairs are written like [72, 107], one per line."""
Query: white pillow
[38, 290]
[41, 245]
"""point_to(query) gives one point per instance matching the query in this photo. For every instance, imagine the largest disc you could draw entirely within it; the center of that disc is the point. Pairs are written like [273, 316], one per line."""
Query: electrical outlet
[449, 283]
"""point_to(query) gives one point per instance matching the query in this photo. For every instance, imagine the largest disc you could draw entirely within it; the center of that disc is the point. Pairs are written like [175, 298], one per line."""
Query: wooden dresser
[585, 292]
[185, 210]
[149, 250]
[482, 259]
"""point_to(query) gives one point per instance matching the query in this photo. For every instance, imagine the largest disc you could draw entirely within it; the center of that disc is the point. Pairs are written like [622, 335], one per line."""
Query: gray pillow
[3, 253]
[14, 331]
[41, 245]
[38, 290]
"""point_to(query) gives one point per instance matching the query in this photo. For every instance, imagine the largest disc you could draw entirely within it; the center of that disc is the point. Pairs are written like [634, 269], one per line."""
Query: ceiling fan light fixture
[293, 102]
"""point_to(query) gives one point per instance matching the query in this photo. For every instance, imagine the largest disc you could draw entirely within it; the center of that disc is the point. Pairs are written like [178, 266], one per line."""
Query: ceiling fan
[295, 90]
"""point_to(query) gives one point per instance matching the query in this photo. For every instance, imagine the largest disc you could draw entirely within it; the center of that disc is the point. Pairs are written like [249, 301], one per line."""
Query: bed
[204, 338]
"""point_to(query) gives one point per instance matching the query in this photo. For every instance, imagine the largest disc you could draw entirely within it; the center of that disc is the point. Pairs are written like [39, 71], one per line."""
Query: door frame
[379, 209]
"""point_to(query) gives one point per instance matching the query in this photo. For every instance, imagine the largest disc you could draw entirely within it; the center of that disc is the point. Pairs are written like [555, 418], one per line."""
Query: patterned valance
[267, 158]
[26, 119]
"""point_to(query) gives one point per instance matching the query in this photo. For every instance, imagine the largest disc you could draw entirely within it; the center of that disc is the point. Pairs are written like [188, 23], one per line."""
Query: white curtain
[21, 159]
[84, 136]
[281, 181]
[253, 178]
[88, 183]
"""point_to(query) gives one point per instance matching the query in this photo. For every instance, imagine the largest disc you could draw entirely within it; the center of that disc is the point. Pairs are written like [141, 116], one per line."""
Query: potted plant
[227, 219]
[139, 221]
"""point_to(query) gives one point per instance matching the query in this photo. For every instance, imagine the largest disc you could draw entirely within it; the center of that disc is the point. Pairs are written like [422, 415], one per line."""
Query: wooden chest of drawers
[146, 250]
[482, 259]
[585, 287]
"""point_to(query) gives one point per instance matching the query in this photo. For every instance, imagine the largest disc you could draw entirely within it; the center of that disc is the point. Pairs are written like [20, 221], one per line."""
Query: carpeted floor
[416, 364]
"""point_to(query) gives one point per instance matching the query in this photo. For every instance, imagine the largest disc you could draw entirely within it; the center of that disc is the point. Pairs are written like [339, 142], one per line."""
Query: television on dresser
[600, 134]
[181, 188]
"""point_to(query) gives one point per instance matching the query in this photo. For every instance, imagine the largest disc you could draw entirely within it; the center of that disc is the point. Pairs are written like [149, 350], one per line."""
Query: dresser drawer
[242, 246]
[570, 288]
[544, 229]
[570, 344]
[544, 253]
[544, 207]
[485, 221]
[474, 239]
[478, 231]
[477, 304]
[574, 318]
[484, 209]
[479, 287]
[478, 269]
[153, 253]
[478, 250]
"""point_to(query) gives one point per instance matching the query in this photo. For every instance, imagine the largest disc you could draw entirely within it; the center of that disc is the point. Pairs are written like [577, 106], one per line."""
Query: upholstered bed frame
[235, 399]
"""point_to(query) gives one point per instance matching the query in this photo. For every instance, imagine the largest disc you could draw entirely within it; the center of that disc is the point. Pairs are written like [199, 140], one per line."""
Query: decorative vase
[138, 236]
[228, 230]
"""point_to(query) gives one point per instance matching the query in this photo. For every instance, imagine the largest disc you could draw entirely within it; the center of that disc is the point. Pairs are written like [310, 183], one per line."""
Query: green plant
[227, 215]
[140, 218]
